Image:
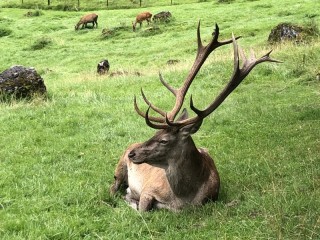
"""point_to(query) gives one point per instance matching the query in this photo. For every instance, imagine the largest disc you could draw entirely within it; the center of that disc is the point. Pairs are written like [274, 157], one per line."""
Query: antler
[203, 52]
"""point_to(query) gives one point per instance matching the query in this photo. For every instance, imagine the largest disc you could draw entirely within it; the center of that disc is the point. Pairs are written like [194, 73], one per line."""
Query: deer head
[166, 144]
[174, 134]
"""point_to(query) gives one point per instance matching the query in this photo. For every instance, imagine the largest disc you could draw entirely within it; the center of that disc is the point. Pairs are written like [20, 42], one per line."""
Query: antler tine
[142, 114]
[202, 53]
[238, 75]
[158, 110]
[267, 58]
[151, 124]
[200, 46]
[171, 89]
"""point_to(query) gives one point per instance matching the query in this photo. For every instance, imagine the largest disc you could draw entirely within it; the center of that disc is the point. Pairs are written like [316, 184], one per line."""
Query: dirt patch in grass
[124, 73]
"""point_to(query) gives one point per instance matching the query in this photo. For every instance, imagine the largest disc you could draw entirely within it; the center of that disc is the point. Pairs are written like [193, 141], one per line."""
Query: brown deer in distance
[140, 18]
[90, 18]
[168, 170]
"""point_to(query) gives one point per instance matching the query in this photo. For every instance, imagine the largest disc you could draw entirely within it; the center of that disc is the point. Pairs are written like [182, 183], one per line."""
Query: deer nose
[131, 154]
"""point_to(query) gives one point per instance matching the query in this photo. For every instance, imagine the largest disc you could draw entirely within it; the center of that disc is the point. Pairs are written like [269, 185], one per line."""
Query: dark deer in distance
[90, 18]
[168, 170]
[162, 16]
[140, 18]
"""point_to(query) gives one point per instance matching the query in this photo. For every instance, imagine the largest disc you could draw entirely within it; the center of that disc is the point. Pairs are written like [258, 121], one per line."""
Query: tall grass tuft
[5, 32]
[41, 43]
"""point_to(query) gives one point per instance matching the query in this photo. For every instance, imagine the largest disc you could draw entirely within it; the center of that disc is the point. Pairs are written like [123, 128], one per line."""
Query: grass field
[58, 154]
[75, 5]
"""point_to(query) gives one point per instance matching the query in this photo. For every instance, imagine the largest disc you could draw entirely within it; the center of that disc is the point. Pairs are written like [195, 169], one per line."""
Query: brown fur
[187, 176]
[90, 18]
[140, 18]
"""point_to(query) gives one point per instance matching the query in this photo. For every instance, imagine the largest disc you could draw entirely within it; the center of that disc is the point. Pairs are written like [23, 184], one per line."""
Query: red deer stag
[169, 171]
[140, 18]
[90, 18]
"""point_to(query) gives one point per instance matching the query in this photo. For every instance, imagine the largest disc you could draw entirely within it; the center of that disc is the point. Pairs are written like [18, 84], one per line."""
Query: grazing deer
[90, 18]
[140, 18]
[169, 171]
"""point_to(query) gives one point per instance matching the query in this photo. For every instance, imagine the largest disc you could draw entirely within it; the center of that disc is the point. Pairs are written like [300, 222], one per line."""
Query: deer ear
[190, 129]
[184, 115]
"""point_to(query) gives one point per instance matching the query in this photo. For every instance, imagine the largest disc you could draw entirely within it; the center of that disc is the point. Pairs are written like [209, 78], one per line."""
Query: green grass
[57, 155]
[76, 5]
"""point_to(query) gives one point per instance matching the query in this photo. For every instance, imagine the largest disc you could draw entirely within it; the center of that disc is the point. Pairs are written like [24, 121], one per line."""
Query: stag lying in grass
[90, 18]
[169, 171]
[144, 16]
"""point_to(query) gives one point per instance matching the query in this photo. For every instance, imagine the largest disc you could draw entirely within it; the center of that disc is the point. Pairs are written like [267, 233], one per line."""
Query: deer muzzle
[133, 157]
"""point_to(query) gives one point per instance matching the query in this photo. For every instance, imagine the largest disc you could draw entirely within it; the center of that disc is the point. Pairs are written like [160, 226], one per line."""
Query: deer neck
[185, 170]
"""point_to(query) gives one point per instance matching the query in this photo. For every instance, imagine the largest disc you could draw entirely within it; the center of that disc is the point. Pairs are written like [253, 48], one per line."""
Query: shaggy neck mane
[185, 171]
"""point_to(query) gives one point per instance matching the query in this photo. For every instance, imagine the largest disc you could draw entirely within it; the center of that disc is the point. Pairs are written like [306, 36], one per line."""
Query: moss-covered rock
[284, 31]
[21, 82]
[291, 32]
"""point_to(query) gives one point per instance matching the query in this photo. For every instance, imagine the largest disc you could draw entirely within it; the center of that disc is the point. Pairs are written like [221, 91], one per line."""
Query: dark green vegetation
[76, 5]
[57, 155]
[5, 32]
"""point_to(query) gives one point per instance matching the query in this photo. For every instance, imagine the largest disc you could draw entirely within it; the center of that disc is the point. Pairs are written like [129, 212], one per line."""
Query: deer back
[89, 18]
[143, 16]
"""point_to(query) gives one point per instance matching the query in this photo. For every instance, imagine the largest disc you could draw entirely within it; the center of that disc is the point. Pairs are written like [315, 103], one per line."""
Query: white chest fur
[135, 180]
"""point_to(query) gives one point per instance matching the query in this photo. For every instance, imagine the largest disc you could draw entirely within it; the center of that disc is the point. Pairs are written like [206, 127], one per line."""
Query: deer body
[168, 170]
[178, 178]
[90, 18]
[144, 16]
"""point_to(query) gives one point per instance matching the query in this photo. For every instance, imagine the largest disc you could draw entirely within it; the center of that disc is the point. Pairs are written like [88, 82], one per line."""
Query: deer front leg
[146, 202]
[131, 200]
[120, 176]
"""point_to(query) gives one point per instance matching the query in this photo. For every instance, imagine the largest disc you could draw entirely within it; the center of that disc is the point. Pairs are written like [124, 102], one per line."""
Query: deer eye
[163, 141]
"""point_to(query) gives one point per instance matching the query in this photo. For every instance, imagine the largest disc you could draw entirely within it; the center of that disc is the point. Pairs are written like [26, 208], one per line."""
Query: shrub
[311, 15]
[41, 43]
[107, 33]
[284, 13]
[5, 32]
[112, 32]
[36, 13]
[311, 28]
[5, 20]
[225, 1]
[64, 7]
[151, 31]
